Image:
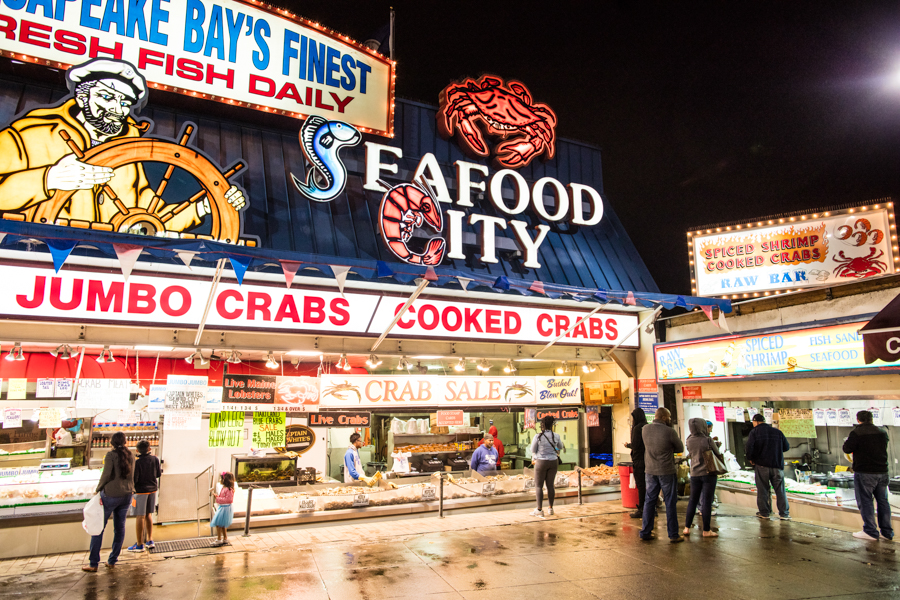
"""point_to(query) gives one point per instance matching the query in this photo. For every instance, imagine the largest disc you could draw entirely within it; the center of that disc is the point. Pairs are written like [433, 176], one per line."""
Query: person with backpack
[116, 486]
[545, 449]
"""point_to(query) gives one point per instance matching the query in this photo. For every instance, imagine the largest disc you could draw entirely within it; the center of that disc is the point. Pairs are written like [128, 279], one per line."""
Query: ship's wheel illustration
[226, 223]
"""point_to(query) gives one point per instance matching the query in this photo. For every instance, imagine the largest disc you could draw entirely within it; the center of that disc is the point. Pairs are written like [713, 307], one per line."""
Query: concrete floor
[584, 552]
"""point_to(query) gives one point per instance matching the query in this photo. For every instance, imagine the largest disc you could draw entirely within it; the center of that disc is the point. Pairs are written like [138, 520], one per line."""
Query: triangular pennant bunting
[340, 275]
[722, 323]
[60, 250]
[430, 274]
[601, 295]
[464, 282]
[502, 283]
[240, 264]
[537, 287]
[290, 268]
[186, 257]
[679, 301]
[2, 235]
[707, 310]
[128, 255]
[629, 299]
[382, 270]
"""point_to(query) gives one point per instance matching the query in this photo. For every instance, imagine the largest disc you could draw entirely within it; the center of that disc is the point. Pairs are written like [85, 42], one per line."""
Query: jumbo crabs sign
[37, 293]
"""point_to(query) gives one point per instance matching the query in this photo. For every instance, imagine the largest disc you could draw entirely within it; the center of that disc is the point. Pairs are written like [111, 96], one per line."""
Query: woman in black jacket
[116, 488]
[639, 419]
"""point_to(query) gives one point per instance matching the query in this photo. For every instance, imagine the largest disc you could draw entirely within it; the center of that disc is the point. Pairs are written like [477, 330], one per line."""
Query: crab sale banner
[397, 391]
[795, 253]
[786, 353]
[239, 53]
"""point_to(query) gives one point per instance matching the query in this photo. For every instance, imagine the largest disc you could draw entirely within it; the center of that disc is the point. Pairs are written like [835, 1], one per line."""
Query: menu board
[104, 394]
[269, 430]
[797, 422]
[226, 429]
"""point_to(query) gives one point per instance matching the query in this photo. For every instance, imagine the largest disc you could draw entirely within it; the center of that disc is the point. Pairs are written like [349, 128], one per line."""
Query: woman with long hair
[116, 488]
[545, 448]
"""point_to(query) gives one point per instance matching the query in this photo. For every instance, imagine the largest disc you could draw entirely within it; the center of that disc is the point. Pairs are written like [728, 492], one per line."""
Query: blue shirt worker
[485, 457]
[353, 470]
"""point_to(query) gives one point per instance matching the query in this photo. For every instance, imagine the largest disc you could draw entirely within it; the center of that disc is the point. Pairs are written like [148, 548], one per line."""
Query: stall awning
[881, 335]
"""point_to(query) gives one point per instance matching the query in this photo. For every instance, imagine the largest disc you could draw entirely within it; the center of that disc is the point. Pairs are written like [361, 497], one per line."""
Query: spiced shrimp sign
[398, 391]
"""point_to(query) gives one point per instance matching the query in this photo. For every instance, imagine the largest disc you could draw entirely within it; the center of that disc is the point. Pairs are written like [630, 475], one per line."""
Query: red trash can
[629, 496]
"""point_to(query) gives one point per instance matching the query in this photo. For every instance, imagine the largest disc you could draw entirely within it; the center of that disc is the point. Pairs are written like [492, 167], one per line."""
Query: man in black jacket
[638, 420]
[765, 450]
[868, 445]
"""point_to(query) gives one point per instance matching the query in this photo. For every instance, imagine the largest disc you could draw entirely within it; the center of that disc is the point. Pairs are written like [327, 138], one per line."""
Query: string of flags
[242, 259]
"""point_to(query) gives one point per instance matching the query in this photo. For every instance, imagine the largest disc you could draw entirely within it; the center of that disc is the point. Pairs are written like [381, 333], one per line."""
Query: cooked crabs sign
[413, 390]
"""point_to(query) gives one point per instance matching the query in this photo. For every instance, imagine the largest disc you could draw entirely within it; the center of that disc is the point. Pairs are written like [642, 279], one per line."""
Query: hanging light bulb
[510, 367]
[271, 362]
[346, 366]
[234, 358]
[460, 366]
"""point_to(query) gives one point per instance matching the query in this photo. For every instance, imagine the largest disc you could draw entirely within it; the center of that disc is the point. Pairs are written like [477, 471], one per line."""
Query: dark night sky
[705, 113]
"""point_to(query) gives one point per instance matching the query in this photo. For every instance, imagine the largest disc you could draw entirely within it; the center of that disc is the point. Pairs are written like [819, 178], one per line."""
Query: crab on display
[505, 110]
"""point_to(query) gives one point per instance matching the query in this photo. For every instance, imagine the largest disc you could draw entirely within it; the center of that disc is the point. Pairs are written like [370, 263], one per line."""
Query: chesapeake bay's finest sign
[795, 252]
[35, 293]
[789, 352]
[397, 391]
[239, 53]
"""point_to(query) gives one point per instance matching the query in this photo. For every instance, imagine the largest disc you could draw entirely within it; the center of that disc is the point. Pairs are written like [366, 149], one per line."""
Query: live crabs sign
[397, 391]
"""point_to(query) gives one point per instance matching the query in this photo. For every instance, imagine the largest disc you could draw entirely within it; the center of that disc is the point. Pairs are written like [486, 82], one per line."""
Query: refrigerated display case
[28, 490]
[271, 469]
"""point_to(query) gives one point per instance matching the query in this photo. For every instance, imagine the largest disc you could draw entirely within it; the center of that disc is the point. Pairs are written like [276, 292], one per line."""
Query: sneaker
[136, 548]
[676, 540]
[150, 544]
[550, 511]
[536, 513]
[762, 516]
[862, 535]
[785, 517]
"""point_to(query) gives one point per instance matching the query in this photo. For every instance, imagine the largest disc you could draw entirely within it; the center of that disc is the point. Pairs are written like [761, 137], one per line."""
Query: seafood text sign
[33, 293]
[397, 391]
[789, 352]
[795, 253]
[270, 392]
[230, 51]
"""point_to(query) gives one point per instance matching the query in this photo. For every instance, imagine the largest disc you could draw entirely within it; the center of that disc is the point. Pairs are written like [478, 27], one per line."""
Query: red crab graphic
[860, 266]
[506, 111]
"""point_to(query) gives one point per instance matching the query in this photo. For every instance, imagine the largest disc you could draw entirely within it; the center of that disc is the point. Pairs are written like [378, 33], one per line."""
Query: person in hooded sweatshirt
[703, 483]
[638, 420]
[498, 445]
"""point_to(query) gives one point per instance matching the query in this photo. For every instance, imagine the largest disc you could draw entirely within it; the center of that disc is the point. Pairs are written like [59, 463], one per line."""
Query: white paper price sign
[769, 413]
[62, 388]
[819, 417]
[307, 505]
[45, 388]
[561, 481]
[529, 484]
[360, 500]
[12, 418]
[739, 414]
[488, 488]
[844, 418]
[831, 417]
[104, 394]
[896, 411]
[752, 412]
[877, 416]
[429, 493]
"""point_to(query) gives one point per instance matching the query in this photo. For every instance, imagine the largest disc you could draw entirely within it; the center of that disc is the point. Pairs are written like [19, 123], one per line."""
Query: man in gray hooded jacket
[661, 443]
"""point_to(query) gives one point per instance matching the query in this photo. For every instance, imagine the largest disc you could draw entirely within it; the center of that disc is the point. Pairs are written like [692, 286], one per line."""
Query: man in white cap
[35, 160]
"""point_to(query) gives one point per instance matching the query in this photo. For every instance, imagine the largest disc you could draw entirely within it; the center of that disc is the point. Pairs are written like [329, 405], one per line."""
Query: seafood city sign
[242, 53]
[805, 251]
[164, 300]
[785, 353]
[397, 391]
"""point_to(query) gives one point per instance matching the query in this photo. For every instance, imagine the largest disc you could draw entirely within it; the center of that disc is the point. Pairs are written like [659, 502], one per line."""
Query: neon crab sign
[507, 111]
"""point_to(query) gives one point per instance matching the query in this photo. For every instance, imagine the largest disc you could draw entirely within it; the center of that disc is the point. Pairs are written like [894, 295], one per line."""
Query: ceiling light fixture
[271, 362]
[346, 362]
[563, 368]
[588, 367]
[510, 367]
[15, 353]
[195, 356]
[373, 361]
[460, 366]
[234, 358]
[63, 351]
[403, 365]
[484, 365]
[105, 356]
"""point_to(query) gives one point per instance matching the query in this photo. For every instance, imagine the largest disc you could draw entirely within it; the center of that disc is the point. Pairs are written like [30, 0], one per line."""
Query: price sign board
[488, 488]
[561, 481]
[360, 500]
[448, 418]
[269, 430]
[104, 394]
[307, 505]
[429, 493]
[226, 429]
[529, 484]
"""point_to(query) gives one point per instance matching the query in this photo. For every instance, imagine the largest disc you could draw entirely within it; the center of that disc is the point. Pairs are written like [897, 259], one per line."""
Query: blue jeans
[118, 508]
[867, 485]
[703, 490]
[766, 479]
[655, 483]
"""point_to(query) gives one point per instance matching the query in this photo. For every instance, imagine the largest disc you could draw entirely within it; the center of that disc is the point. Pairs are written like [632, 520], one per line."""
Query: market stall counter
[30, 491]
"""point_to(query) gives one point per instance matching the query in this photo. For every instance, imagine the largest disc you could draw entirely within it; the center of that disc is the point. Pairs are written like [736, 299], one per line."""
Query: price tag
[488, 488]
[429, 493]
[561, 480]
[360, 500]
[309, 504]
[529, 484]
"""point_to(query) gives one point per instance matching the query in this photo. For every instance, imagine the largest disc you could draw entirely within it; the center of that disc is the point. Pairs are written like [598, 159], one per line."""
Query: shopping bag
[93, 516]
[632, 485]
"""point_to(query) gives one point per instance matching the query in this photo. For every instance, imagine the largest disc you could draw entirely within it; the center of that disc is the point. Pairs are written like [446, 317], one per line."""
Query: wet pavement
[582, 553]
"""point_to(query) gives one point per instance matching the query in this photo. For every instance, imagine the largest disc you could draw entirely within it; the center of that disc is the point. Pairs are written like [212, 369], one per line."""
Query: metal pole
[247, 518]
[441, 497]
[579, 488]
